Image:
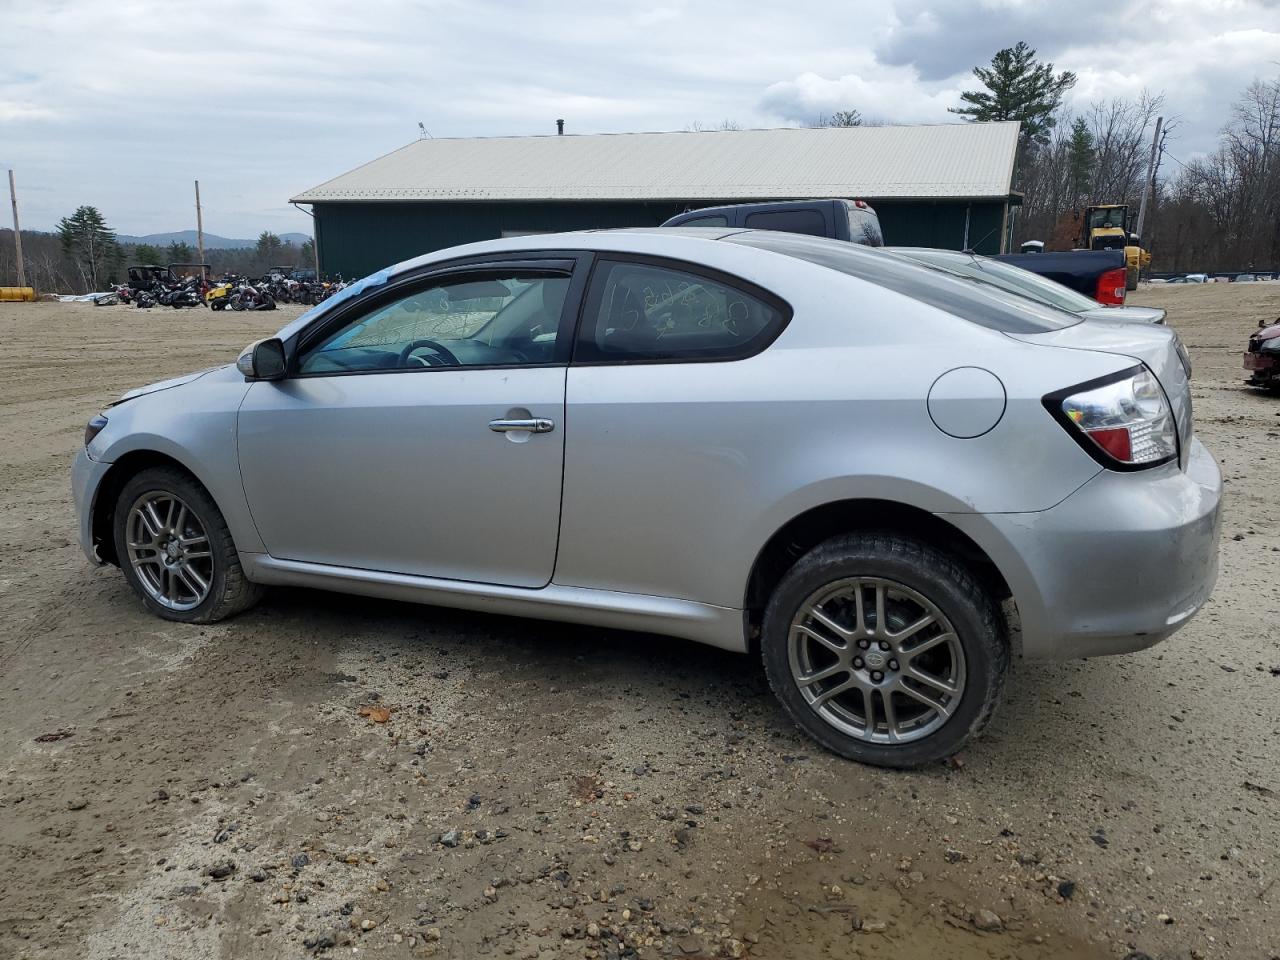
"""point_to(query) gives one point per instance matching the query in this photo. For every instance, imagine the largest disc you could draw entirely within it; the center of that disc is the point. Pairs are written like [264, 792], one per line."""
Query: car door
[421, 429]
[668, 428]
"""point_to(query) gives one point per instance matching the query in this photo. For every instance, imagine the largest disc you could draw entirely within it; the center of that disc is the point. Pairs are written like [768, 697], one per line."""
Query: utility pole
[199, 227]
[17, 232]
[1149, 184]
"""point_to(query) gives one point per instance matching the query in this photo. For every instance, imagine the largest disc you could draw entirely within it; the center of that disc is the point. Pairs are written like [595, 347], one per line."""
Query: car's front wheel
[885, 649]
[176, 551]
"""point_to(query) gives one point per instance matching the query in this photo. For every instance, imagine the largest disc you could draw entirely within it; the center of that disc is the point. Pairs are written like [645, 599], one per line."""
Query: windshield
[985, 304]
[1005, 276]
[1113, 217]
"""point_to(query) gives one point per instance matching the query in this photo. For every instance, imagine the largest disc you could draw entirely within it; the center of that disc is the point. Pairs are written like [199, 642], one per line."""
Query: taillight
[1123, 421]
[1111, 287]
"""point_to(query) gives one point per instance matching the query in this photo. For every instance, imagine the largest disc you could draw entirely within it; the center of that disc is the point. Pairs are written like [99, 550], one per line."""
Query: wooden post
[17, 232]
[199, 227]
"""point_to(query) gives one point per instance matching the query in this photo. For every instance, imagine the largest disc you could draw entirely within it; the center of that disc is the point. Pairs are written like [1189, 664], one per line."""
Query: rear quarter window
[666, 311]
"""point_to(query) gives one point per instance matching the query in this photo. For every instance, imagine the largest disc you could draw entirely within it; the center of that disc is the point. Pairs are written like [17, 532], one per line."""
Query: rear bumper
[1120, 565]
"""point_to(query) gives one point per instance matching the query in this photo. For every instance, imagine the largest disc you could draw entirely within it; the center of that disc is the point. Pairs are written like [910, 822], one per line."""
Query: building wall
[358, 238]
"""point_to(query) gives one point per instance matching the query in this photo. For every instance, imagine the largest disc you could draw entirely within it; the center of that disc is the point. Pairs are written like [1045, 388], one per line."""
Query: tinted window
[719, 220]
[643, 311]
[980, 304]
[489, 319]
[789, 221]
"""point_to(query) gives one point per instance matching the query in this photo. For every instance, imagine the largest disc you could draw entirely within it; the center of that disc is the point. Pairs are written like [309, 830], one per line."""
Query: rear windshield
[1005, 276]
[982, 304]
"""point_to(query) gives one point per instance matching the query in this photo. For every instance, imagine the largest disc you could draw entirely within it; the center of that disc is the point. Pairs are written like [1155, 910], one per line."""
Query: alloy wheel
[169, 550]
[876, 660]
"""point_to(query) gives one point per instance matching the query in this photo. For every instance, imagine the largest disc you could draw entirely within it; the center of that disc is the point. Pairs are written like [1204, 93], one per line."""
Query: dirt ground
[546, 790]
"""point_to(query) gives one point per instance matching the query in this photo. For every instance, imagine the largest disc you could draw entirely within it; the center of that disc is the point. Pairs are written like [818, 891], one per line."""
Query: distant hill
[211, 241]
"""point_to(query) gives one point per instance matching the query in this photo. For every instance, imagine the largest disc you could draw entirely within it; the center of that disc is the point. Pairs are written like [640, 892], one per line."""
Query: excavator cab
[1106, 227]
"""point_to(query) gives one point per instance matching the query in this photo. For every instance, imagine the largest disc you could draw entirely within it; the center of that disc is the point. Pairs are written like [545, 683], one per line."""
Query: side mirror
[262, 360]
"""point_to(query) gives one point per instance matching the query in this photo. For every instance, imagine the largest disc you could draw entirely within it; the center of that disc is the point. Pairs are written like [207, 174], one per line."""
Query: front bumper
[1120, 565]
[86, 478]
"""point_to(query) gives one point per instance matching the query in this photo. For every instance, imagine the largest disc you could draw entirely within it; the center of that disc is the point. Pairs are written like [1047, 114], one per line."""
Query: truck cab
[850, 220]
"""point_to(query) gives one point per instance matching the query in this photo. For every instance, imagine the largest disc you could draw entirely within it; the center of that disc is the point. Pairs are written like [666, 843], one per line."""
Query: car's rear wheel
[884, 649]
[176, 551]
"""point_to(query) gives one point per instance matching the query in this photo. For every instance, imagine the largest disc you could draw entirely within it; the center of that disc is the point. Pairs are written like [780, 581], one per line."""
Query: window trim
[572, 265]
[586, 352]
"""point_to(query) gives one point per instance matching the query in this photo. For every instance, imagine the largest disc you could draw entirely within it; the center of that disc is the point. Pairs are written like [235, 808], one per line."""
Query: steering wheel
[443, 352]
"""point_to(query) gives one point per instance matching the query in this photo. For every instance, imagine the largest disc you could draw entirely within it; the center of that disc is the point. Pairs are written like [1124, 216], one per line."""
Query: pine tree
[180, 252]
[91, 245]
[145, 253]
[268, 244]
[1081, 160]
[1018, 87]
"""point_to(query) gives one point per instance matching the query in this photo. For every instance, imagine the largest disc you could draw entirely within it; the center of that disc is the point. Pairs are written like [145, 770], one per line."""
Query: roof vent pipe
[560, 127]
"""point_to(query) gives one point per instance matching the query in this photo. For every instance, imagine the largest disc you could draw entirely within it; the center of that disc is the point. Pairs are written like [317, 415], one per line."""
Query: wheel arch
[806, 530]
[104, 502]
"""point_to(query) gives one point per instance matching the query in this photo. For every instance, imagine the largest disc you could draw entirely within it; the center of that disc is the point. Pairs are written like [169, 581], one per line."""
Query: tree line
[84, 255]
[1217, 212]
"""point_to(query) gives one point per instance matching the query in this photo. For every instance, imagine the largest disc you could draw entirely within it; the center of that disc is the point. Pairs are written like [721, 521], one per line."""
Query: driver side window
[479, 319]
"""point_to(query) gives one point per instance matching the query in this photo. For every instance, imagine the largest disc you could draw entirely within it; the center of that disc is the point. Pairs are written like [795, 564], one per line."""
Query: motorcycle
[185, 294]
[246, 296]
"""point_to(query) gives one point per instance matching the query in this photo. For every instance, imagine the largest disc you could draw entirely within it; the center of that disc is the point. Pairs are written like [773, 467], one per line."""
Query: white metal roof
[944, 161]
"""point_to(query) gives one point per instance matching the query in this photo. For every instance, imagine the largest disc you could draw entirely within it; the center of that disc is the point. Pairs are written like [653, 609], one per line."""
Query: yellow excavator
[1105, 226]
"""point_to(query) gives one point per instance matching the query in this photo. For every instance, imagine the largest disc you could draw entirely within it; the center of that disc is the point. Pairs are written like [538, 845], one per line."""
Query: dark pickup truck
[1099, 274]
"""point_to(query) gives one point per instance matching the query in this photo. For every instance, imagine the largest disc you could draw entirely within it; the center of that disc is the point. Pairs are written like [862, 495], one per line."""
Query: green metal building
[947, 185]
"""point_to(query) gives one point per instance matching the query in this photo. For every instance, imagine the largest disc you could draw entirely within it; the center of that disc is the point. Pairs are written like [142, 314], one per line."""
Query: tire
[918, 580]
[228, 590]
[1131, 278]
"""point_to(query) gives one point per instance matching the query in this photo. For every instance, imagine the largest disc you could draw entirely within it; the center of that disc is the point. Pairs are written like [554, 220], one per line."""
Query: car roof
[988, 308]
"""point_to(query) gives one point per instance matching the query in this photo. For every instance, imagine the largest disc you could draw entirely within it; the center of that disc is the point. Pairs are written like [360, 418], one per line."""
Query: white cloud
[895, 95]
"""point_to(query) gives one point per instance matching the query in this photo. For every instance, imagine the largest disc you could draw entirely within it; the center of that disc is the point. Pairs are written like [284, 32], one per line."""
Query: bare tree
[1121, 132]
[699, 126]
[1222, 211]
[841, 118]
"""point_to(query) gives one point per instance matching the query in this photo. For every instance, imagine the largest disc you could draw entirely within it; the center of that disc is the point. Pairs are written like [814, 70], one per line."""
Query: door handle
[533, 425]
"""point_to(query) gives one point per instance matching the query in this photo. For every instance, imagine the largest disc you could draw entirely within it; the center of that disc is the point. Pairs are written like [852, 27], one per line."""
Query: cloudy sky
[122, 103]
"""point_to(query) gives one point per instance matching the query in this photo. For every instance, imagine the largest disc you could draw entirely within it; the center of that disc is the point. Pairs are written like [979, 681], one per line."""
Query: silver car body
[648, 504]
